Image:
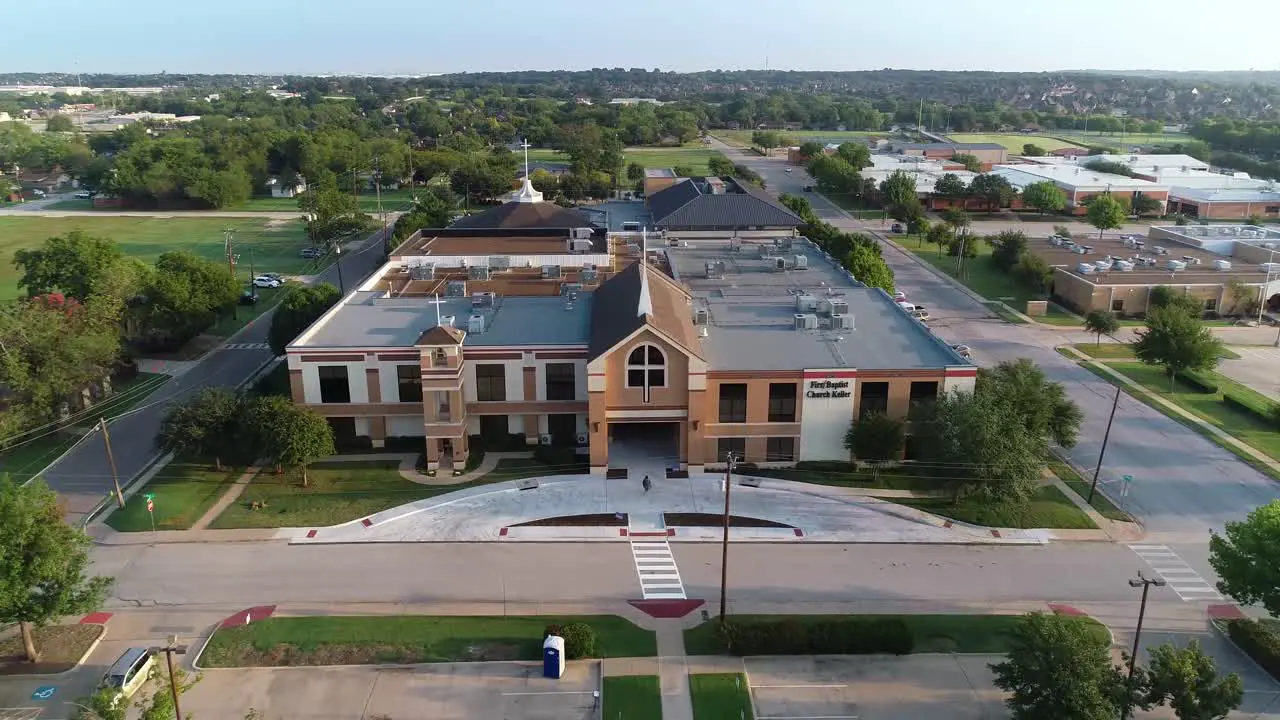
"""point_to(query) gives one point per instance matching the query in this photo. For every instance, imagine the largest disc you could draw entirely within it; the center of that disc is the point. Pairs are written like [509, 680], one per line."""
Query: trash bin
[553, 657]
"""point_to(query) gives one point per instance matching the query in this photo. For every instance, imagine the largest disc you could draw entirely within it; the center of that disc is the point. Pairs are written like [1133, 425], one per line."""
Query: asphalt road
[82, 477]
[1183, 486]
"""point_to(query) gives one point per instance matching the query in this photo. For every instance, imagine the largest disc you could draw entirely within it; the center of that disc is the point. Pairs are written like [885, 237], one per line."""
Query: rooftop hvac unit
[422, 272]
[802, 262]
[1268, 246]
[455, 288]
[779, 264]
[550, 272]
[702, 331]
[806, 303]
[499, 262]
[1176, 265]
[1221, 265]
[783, 243]
[475, 323]
[1085, 268]
[478, 272]
[764, 250]
[839, 307]
[841, 321]
[447, 320]
[715, 269]
[582, 233]
[700, 316]
[1124, 266]
[579, 246]
[1130, 242]
[589, 275]
[806, 321]
[570, 288]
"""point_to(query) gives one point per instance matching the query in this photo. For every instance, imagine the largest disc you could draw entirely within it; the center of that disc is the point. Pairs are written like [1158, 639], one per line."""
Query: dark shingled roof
[525, 215]
[687, 205]
[614, 310]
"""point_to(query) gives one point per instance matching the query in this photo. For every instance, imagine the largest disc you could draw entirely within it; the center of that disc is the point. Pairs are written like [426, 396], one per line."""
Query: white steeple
[645, 304]
[526, 193]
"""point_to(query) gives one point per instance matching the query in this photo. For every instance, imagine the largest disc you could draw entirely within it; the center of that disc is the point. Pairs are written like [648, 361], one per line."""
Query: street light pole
[724, 540]
[1102, 453]
[1145, 583]
[169, 651]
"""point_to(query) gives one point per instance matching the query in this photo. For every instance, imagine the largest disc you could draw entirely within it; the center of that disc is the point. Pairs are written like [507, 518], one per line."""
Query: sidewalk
[1218, 435]
[409, 466]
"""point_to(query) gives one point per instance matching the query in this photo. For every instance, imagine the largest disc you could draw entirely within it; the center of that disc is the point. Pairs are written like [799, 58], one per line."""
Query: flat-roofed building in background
[989, 154]
[658, 179]
[763, 347]
[1081, 183]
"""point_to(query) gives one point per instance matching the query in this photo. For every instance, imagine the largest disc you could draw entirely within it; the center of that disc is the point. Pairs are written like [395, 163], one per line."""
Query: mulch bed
[714, 520]
[60, 646]
[594, 520]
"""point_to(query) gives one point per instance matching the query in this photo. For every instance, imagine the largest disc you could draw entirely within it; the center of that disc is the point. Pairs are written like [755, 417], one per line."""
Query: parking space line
[1183, 579]
[551, 692]
[784, 687]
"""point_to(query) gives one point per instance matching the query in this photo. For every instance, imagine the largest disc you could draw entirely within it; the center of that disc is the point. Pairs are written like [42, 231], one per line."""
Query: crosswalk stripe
[1182, 579]
[656, 570]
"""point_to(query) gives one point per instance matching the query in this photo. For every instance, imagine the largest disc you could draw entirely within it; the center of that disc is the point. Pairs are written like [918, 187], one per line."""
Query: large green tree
[868, 268]
[950, 186]
[1176, 341]
[1041, 404]
[288, 435]
[1007, 248]
[1243, 556]
[1143, 204]
[1105, 213]
[299, 308]
[43, 562]
[186, 293]
[1057, 668]
[1187, 681]
[1045, 196]
[1101, 322]
[75, 264]
[329, 211]
[875, 437]
[855, 153]
[981, 440]
[206, 426]
[899, 190]
[430, 211]
[993, 190]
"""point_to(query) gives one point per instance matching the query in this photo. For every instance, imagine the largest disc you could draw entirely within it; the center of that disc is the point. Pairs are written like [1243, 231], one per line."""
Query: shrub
[353, 443]
[404, 443]
[1198, 381]
[579, 641]
[843, 636]
[1268, 413]
[1258, 642]
[826, 466]
[556, 457]
[745, 468]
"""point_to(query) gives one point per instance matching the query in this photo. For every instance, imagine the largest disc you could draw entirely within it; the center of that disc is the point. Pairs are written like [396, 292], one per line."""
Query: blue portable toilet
[553, 657]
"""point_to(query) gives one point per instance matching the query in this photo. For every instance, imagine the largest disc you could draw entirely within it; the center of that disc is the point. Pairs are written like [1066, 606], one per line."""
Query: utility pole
[1102, 453]
[1144, 583]
[724, 542]
[169, 650]
[111, 460]
[413, 185]
[231, 263]
[337, 252]
[377, 185]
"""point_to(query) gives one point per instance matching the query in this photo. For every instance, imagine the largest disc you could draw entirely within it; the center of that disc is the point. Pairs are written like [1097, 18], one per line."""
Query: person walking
[646, 484]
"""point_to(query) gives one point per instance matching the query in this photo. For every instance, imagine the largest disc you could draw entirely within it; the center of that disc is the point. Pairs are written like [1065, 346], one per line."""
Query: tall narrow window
[872, 397]
[334, 387]
[646, 369]
[782, 402]
[560, 381]
[491, 382]
[409, 383]
[733, 402]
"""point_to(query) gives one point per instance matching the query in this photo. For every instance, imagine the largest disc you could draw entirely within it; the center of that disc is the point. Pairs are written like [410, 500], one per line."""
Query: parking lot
[506, 691]
[955, 687]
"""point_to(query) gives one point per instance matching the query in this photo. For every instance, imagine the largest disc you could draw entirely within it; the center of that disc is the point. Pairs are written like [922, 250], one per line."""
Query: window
[923, 397]
[733, 403]
[782, 402]
[779, 449]
[1211, 304]
[409, 381]
[563, 429]
[872, 397]
[491, 382]
[493, 428]
[1117, 305]
[334, 387]
[736, 446]
[646, 369]
[560, 381]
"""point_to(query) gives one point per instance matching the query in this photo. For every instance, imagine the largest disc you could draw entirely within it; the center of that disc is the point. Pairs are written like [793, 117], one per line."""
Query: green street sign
[150, 496]
[1128, 479]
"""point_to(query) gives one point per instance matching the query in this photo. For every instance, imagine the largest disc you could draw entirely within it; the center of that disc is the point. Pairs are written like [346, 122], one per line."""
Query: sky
[405, 37]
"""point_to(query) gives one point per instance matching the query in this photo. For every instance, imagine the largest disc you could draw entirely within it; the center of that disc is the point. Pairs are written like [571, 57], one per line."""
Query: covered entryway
[641, 446]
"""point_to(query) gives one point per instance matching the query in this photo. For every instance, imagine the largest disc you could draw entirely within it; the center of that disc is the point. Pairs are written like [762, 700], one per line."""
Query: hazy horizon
[401, 37]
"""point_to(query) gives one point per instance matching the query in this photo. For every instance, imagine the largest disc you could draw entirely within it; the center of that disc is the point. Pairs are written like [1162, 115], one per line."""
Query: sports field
[693, 155]
[1012, 141]
[270, 245]
[1125, 140]
[743, 137]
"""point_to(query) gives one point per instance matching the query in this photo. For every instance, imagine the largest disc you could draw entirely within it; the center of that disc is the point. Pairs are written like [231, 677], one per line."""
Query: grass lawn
[1047, 508]
[743, 137]
[33, 454]
[519, 468]
[632, 697]
[1209, 407]
[1124, 351]
[1013, 141]
[1080, 486]
[719, 696]
[904, 477]
[980, 274]
[391, 200]
[1001, 311]
[1119, 140]
[933, 633]
[269, 245]
[365, 640]
[60, 646]
[183, 491]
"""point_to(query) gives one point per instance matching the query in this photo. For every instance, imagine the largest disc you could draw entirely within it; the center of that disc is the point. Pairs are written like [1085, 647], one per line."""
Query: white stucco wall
[827, 401]
[355, 378]
[514, 376]
[405, 427]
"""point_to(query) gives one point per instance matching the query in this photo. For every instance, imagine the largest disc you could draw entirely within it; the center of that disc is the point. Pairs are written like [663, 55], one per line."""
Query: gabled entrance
[644, 446]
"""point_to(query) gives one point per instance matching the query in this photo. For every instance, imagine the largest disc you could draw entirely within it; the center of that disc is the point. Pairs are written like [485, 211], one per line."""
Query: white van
[129, 672]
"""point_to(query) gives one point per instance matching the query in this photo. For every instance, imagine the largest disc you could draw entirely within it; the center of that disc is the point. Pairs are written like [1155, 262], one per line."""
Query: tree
[1041, 404]
[221, 188]
[1187, 680]
[1142, 204]
[834, 175]
[159, 705]
[206, 426]
[1244, 555]
[810, 150]
[73, 264]
[186, 292]
[288, 435]
[719, 165]
[970, 162]
[59, 123]
[855, 153]
[1163, 296]
[329, 211]
[898, 192]
[1105, 213]
[1035, 273]
[950, 186]
[1177, 341]
[875, 437]
[800, 206]
[1044, 196]
[993, 190]
[1062, 231]
[684, 171]
[980, 440]
[44, 561]
[766, 139]
[940, 235]
[1244, 299]
[1101, 322]
[1059, 668]
[299, 308]
[868, 268]
[1007, 248]
[1033, 150]
[430, 211]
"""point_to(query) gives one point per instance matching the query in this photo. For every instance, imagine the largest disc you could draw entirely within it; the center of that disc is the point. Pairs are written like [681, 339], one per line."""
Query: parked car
[37, 192]
[311, 252]
[83, 195]
[896, 228]
[129, 672]
[808, 188]
[963, 350]
[899, 296]
[788, 169]
[906, 305]
[248, 297]
[264, 281]
[920, 315]
[273, 276]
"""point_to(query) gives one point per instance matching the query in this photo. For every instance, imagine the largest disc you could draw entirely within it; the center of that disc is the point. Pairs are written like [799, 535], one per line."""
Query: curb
[78, 664]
